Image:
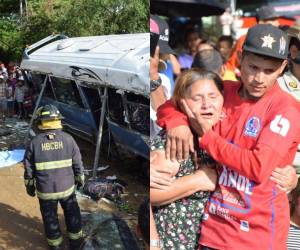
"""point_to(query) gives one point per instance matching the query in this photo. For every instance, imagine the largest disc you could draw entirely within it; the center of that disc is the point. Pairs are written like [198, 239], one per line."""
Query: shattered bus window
[94, 101]
[66, 91]
[37, 81]
[115, 107]
[138, 113]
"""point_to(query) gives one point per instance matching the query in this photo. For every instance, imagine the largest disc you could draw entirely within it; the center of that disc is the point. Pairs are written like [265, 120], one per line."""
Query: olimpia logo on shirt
[252, 126]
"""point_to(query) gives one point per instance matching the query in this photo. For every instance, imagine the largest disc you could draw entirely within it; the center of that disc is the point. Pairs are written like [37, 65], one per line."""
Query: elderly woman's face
[204, 97]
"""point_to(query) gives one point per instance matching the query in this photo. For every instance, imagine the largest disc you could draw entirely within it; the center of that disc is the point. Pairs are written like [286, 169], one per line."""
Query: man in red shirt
[260, 131]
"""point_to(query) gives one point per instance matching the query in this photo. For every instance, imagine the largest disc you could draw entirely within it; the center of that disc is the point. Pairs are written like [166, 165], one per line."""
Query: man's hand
[199, 125]
[180, 142]
[285, 178]
[160, 176]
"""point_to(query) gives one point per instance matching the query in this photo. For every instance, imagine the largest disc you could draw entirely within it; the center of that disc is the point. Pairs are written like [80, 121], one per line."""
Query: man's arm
[29, 173]
[77, 164]
[28, 161]
[157, 96]
[153, 231]
[168, 116]
[275, 141]
[257, 163]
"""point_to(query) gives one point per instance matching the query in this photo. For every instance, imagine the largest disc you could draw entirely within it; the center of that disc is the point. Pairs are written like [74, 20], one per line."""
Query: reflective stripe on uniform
[53, 164]
[56, 196]
[55, 242]
[75, 236]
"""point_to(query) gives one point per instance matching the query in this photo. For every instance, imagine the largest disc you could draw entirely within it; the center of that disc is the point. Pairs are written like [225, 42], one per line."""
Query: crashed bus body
[94, 78]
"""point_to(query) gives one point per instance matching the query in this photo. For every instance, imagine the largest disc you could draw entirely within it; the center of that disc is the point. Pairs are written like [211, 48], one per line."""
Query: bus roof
[118, 61]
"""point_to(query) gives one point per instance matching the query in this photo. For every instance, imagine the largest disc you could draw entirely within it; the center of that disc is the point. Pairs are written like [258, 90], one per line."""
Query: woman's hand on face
[285, 178]
[160, 176]
[199, 125]
[179, 143]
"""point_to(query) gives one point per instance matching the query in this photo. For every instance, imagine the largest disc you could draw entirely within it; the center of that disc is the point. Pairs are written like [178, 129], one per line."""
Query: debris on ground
[104, 188]
[4, 132]
[107, 231]
[13, 133]
[99, 169]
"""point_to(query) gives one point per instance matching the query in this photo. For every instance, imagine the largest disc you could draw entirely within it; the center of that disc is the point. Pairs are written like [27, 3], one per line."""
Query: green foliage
[99, 17]
[70, 17]
[11, 43]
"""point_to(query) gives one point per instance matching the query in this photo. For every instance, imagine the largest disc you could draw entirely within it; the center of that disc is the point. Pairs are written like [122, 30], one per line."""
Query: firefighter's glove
[30, 187]
[79, 181]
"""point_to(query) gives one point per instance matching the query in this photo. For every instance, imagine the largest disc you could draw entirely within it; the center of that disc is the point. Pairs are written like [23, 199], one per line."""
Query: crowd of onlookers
[15, 96]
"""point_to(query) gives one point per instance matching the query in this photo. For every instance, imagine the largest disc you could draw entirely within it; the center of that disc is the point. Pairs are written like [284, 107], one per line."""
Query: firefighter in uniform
[53, 167]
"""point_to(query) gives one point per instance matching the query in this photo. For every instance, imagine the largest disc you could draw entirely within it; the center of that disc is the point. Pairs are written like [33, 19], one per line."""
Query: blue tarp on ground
[8, 158]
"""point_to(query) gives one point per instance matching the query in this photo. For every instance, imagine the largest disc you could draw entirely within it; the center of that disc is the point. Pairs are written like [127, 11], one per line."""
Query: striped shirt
[2, 90]
[293, 242]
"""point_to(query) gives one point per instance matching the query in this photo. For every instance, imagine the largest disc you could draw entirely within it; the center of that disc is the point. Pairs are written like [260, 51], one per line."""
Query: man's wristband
[154, 84]
[155, 243]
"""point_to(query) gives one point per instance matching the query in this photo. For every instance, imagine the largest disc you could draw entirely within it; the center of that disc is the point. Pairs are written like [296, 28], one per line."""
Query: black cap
[163, 31]
[267, 40]
[265, 13]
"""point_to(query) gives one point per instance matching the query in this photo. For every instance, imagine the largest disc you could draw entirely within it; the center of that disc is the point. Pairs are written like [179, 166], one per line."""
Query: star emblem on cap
[293, 85]
[268, 41]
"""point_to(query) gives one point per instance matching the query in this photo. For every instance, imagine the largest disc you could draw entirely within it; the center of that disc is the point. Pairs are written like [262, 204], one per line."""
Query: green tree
[11, 43]
[70, 17]
[99, 17]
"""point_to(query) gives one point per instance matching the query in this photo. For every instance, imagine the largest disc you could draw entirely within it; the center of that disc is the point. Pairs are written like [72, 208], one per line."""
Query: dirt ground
[21, 226]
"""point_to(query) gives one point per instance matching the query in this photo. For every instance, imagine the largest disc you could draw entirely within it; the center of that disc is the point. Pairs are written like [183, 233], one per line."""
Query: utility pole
[232, 6]
[23, 8]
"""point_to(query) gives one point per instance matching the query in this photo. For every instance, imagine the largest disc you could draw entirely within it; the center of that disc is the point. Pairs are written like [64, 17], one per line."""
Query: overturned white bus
[98, 83]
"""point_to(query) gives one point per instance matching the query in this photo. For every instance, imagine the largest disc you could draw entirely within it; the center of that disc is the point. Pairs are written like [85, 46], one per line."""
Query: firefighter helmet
[48, 112]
